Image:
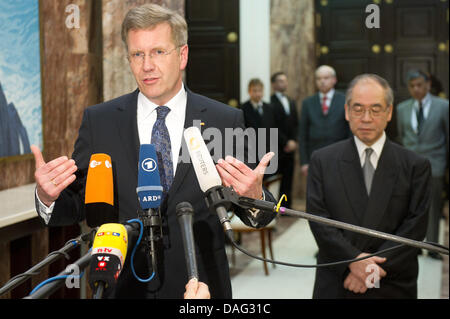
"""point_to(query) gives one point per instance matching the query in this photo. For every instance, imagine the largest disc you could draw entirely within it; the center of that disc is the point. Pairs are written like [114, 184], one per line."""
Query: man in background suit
[156, 113]
[322, 118]
[286, 119]
[258, 114]
[368, 181]
[422, 123]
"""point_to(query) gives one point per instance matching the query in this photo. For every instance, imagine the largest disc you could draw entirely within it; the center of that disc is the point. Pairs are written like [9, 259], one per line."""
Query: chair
[273, 185]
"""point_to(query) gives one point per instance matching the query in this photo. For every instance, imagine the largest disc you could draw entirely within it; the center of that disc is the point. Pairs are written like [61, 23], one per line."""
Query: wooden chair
[273, 185]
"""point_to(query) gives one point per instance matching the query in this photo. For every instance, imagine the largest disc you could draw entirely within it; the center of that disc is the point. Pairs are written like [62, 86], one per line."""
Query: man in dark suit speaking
[156, 113]
[369, 181]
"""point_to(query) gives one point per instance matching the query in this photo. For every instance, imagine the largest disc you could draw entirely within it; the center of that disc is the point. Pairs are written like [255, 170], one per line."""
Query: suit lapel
[352, 177]
[127, 126]
[193, 112]
[432, 118]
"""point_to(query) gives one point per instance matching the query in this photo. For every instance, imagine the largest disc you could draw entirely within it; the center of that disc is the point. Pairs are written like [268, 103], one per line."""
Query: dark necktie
[368, 170]
[161, 140]
[420, 118]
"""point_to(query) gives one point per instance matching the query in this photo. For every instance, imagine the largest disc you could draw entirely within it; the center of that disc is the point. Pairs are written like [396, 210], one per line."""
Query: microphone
[207, 175]
[149, 189]
[184, 216]
[108, 255]
[99, 196]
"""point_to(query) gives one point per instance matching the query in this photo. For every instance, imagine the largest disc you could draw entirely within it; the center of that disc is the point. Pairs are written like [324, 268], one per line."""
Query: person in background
[322, 118]
[258, 115]
[422, 125]
[368, 181]
[286, 119]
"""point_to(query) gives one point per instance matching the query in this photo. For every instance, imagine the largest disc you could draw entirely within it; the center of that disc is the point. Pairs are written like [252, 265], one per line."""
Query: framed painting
[20, 78]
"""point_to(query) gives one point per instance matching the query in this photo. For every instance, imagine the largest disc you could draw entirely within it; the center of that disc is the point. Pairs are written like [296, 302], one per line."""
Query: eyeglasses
[374, 111]
[138, 57]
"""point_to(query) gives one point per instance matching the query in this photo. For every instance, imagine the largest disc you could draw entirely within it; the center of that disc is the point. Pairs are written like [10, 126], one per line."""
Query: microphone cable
[141, 231]
[343, 262]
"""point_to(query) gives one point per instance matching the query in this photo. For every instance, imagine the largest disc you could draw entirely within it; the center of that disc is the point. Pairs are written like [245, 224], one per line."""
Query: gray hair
[149, 16]
[327, 68]
[414, 74]
[388, 93]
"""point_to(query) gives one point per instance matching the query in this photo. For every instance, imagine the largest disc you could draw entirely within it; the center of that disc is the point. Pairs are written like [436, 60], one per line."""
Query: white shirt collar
[329, 95]
[377, 149]
[147, 107]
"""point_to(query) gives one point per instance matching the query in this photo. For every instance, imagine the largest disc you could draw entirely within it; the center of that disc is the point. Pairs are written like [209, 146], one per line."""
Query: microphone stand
[52, 257]
[220, 194]
[151, 220]
[53, 286]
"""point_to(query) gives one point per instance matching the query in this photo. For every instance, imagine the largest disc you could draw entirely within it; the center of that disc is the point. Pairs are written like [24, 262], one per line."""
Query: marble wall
[118, 79]
[292, 42]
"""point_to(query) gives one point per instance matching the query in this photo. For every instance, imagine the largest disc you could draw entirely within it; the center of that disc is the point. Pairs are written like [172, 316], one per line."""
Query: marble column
[292, 38]
[118, 79]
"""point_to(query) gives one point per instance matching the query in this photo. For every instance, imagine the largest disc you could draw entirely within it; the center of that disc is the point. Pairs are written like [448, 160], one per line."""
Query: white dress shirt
[284, 101]
[146, 117]
[377, 148]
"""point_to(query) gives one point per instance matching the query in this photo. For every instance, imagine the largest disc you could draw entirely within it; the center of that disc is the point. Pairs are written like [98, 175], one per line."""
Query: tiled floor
[293, 242]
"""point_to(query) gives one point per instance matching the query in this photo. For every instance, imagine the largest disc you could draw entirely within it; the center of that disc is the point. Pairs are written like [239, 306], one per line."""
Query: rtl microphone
[149, 189]
[184, 215]
[99, 196]
[207, 175]
[109, 251]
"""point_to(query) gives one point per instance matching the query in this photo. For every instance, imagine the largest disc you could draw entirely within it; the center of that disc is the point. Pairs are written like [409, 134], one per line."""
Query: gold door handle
[233, 103]
[324, 49]
[376, 48]
[388, 48]
[232, 37]
[442, 46]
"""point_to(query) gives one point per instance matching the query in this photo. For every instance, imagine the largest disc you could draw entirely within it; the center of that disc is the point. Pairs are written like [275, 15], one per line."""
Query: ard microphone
[207, 175]
[184, 215]
[149, 189]
[109, 251]
[99, 196]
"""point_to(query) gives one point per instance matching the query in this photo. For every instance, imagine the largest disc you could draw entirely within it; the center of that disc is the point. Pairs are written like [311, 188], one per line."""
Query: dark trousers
[434, 216]
[286, 168]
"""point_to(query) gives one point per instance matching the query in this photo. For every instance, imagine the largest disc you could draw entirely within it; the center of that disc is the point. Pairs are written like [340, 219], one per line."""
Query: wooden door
[411, 34]
[213, 66]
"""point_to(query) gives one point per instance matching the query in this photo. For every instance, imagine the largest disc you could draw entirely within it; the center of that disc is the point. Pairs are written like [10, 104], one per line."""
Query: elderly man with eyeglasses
[369, 181]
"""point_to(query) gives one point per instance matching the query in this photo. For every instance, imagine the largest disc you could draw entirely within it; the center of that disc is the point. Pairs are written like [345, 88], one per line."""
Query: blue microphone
[149, 189]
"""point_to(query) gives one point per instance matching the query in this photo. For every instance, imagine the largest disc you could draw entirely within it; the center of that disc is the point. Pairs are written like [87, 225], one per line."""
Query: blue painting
[20, 77]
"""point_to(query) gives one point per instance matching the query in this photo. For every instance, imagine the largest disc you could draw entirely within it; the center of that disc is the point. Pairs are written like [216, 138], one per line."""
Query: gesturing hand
[244, 180]
[52, 177]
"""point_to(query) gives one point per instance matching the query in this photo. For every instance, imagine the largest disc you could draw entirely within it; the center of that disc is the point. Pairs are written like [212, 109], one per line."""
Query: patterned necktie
[368, 170]
[324, 105]
[420, 117]
[161, 140]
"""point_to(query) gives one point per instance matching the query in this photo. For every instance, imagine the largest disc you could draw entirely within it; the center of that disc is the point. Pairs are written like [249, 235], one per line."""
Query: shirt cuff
[44, 211]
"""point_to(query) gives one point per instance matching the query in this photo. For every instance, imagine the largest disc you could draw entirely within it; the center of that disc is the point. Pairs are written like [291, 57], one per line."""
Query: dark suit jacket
[287, 123]
[111, 128]
[253, 119]
[318, 130]
[398, 204]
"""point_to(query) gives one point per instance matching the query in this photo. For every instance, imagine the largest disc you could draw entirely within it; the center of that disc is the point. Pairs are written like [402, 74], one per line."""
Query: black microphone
[184, 216]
